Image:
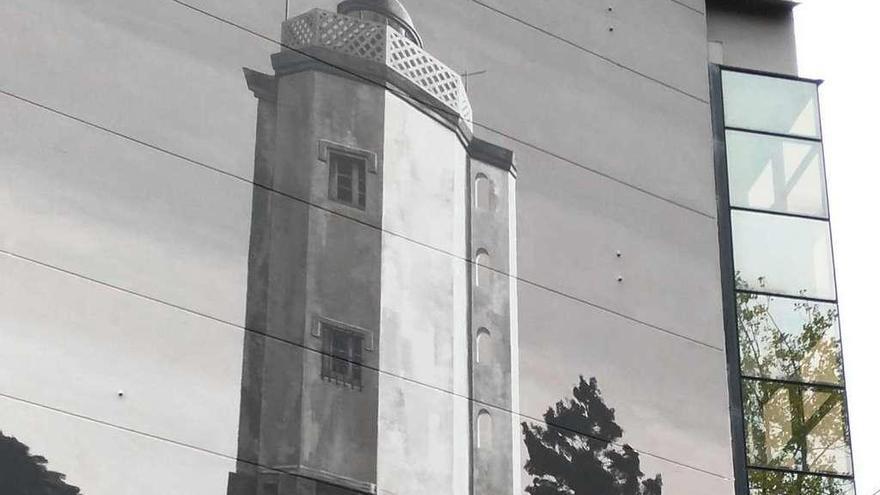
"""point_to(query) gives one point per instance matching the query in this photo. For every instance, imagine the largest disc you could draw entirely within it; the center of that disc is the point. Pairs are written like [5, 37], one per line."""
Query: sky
[838, 41]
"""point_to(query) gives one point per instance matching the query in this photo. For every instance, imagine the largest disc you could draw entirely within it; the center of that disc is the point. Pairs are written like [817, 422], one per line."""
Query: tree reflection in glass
[792, 425]
[778, 483]
[796, 427]
[789, 339]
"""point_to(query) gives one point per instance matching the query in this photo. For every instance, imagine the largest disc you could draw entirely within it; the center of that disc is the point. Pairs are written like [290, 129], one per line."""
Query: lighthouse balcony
[335, 38]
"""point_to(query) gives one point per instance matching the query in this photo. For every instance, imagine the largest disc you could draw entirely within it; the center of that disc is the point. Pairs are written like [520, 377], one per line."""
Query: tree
[578, 451]
[24, 474]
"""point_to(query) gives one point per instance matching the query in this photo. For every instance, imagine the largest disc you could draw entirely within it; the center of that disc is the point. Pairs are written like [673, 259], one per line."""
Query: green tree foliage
[578, 452]
[22, 473]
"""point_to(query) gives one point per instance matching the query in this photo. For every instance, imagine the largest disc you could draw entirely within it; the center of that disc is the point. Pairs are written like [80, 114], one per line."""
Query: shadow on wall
[22, 473]
[563, 461]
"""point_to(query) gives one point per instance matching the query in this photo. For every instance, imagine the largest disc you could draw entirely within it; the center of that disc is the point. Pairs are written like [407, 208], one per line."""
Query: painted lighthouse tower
[382, 351]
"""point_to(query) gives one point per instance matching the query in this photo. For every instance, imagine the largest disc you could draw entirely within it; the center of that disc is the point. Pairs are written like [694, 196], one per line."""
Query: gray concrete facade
[169, 234]
[753, 37]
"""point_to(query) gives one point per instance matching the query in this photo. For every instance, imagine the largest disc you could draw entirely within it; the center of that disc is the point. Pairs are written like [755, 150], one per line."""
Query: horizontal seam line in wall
[602, 174]
[366, 224]
[587, 50]
[378, 371]
[444, 110]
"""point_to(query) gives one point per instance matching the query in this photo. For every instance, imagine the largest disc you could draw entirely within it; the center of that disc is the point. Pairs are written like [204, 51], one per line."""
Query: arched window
[484, 429]
[482, 272]
[484, 195]
[484, 346]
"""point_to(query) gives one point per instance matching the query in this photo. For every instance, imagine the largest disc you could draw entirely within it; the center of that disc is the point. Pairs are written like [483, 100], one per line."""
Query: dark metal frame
[795, 383]
[779, 213]
[796, 472]
[830, 389]
[802, 473]
[775, 75]
[793, 137]
[786, 296]
[728, 285]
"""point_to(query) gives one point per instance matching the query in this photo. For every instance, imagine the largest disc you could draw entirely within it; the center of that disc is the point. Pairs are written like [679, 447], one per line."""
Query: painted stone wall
[424, 308]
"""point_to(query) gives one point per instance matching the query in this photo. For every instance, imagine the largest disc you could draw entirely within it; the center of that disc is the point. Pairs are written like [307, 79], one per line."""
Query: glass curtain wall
[783, 324]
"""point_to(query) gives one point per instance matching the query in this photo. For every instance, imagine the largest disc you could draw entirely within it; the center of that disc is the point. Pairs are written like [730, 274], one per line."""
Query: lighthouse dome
[390, 12]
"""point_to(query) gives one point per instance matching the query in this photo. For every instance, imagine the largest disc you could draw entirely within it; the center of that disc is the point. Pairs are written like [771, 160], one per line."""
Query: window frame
[786, 201]
[342, 369]
[783, 390]
[357, 172]
[322, 329]
[360, 182]
[763, 342]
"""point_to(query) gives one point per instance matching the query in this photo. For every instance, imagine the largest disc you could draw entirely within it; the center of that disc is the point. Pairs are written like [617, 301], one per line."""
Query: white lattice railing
[412, 62]
[337, 32]
[378, 43]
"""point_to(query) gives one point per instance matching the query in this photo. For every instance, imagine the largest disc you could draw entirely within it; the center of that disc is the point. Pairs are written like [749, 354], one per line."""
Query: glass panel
[777, 174]
[770, 104]
[777, 483]
[789, 339]
[796, 427]
[784, 255]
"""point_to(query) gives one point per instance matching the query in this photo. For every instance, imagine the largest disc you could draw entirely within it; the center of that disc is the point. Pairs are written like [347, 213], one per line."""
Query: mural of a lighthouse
[383, 352]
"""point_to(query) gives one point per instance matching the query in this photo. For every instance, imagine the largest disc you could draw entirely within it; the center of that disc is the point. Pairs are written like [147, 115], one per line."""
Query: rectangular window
[343, 354]
[771, 104]
[348, 179]
[781, 338]
[782, 255]
[778, 174]
[797, 427]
